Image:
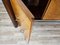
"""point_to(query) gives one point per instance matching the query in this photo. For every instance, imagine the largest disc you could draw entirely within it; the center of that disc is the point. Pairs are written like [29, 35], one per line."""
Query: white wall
[0, 1]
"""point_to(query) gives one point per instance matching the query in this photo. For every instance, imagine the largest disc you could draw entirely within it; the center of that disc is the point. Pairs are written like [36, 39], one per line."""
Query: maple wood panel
[53, 11]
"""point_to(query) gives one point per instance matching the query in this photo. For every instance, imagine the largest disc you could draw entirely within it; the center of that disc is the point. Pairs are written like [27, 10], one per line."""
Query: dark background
[38, 10]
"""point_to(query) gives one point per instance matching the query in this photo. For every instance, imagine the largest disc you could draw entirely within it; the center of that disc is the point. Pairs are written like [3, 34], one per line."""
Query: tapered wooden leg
[9, 9]
[23, 16]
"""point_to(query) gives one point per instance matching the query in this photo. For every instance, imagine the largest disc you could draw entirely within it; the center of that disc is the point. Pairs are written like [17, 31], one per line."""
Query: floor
[43, 33]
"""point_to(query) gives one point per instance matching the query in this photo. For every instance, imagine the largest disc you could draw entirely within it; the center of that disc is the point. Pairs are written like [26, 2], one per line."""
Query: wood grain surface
[53, 11]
